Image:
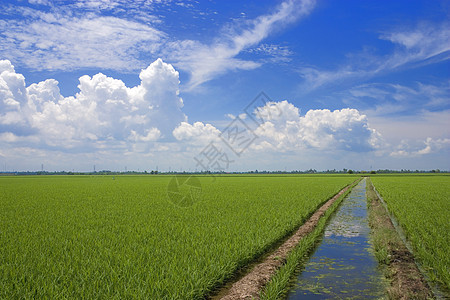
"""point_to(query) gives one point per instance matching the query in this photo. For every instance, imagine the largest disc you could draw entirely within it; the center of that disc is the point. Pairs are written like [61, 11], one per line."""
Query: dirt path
[249, 286]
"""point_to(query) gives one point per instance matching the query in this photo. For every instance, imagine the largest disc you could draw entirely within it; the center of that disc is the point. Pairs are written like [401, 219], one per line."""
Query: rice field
[95, 237]
[421, 205]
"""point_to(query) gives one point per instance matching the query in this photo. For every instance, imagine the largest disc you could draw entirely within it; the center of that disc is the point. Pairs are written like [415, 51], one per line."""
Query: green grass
[392, 255]
[421, 205]
[277, 288]
[94, 237]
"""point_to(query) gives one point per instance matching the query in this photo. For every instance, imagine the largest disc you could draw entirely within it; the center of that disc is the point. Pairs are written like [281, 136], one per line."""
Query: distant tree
[373, 172]
[350, 171]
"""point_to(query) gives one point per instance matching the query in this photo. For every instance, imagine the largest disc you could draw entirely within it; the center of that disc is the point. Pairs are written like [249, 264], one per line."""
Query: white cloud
[418, 126]
[39, 2]
[271, 50]
[423, 133]
[276, 53]
[61, 41]
[105, 113]
[423, 42]
[10, 137]
[285, 129]
[207, 61]
[241, 116]
[283, 132]
[430, 146]
[110, 120]
[198, 134]
[120, 35]
[426, 44]
[315, 78]
[278, 112]
[150, 135]
[13, 98]
[119, 4]
[390, 99]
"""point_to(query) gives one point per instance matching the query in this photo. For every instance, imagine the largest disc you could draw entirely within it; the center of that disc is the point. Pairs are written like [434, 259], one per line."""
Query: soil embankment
[250, 285]
[406, 281]
[343, 265]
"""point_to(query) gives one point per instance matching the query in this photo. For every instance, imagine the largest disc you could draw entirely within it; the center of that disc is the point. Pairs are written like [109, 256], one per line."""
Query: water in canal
[343, 265]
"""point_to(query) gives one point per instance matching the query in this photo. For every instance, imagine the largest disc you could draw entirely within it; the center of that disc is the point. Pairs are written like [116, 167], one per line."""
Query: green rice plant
[95, 237]
[421, 205]
[278, 285]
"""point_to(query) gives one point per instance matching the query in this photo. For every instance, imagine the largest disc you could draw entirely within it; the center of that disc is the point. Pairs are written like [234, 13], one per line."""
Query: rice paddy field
[421, 205]
[99, 237]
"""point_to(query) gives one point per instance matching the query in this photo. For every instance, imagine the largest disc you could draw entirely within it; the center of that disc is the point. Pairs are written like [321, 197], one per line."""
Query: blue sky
[114, 83]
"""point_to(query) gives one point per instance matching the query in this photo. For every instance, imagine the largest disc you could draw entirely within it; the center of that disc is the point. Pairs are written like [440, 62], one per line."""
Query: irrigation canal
[343, 265]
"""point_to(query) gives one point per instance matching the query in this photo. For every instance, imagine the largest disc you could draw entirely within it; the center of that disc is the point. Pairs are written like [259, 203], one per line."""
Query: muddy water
[343, 265]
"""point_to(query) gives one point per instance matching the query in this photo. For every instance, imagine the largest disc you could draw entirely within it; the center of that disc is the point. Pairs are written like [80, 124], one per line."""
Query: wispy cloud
[384, 99]
[115, 34]
[205, 61]
[53, 41]
[276, 53]
[426, 44]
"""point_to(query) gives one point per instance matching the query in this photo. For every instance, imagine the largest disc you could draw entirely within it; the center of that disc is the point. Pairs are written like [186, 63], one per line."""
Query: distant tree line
[155, 172]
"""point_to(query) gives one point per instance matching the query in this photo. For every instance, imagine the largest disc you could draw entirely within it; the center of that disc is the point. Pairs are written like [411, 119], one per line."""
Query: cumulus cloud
[104, 113]
[13, 98]
[198, 133]
[430, 145]
[284, 129]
